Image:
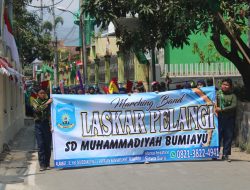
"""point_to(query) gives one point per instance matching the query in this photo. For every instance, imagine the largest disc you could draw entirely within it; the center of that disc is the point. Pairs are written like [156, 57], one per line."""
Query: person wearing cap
[140, 87]
[155, 86]
[41, 108]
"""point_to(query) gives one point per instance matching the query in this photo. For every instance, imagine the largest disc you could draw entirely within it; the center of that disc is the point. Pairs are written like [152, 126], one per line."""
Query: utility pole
[84, 51]
[55, 45]
[41, 13]
[83, 40]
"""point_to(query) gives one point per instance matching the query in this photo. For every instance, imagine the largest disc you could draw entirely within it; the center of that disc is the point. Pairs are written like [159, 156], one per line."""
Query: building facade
[11, 88]
[105, 61]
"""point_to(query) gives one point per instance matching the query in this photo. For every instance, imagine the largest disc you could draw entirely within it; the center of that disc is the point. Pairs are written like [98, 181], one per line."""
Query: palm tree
[47, 26]
[58, 20]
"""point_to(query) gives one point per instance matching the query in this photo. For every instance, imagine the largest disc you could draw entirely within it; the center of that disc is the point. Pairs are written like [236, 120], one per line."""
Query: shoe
[42, 169]
[226, 158]
[48, 168]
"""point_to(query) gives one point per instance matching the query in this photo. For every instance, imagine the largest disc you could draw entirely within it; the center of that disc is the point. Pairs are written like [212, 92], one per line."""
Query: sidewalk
[239, 156]
[19, 167]
[14, 164]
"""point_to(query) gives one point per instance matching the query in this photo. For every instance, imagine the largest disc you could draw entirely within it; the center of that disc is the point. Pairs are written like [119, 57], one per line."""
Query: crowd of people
[130, 87]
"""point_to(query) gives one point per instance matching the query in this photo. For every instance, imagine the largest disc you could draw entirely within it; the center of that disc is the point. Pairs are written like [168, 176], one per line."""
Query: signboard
[92, 130]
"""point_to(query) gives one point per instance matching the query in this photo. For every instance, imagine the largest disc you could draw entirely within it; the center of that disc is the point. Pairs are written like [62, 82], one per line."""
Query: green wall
[186, 55]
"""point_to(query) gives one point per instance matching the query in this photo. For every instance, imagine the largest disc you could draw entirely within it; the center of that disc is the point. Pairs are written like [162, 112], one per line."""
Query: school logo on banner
[65, 117]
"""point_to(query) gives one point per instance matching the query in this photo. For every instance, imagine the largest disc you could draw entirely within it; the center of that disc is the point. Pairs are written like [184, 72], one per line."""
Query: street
[20, 170]
[175, 175]
[124, 95]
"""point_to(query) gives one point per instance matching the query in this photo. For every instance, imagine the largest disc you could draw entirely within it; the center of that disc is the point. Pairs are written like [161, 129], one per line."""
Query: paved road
[205, 175]
[175, 175]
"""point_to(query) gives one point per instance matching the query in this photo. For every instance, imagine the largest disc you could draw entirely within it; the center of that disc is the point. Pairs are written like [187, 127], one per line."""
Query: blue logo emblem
[65, 117]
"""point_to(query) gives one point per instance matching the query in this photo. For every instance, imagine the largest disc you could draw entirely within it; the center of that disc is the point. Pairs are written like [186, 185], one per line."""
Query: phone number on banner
[193, 154]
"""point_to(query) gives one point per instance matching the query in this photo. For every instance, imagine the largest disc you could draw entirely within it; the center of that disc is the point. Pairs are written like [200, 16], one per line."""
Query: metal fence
[202, 70]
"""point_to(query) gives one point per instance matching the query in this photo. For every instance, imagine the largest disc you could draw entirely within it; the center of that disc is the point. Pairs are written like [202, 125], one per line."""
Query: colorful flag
[80, 80]
[9, 39]
[44, 84]
[105, 89]
[129, 86]
[113, 86]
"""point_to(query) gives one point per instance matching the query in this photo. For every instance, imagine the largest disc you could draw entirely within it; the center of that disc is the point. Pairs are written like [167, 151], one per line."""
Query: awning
[4, 71]
[5, 68]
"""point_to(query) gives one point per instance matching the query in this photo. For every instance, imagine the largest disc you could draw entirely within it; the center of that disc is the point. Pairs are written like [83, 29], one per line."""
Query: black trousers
[43, 138]
[226, 132]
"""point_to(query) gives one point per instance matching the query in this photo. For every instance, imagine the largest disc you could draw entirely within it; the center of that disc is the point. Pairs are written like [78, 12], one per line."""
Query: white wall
[11, 99]
[1, 113]
[11, 109]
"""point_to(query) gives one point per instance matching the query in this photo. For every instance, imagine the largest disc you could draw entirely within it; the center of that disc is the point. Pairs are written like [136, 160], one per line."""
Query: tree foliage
[165, 20]
[162, 21]
[47, 26]
[31, 42]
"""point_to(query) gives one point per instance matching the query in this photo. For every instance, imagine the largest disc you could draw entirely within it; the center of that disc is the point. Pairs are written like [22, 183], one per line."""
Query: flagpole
[50, 88]
[51, 118]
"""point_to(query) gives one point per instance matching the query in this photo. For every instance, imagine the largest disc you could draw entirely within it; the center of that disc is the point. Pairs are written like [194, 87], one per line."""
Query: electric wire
[66, 8]
[46, 6]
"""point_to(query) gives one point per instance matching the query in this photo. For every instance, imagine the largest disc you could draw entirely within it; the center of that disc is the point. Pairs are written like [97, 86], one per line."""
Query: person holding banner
[226, 101]
[43, 135]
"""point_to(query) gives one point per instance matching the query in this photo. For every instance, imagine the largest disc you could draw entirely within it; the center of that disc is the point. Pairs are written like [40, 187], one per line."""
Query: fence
[202, 69]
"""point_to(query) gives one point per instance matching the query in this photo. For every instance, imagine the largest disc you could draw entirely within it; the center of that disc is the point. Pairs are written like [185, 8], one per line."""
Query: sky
[69, 32]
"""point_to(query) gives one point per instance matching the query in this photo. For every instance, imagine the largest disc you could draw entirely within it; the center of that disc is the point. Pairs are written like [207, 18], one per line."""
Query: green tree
[47, 26]
[58, 20]
[157, 22]
[31, 42]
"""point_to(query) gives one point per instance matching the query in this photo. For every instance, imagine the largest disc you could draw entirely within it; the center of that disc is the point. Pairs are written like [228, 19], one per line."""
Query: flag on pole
[61, 87]
[44, 84]
[105, 89]
[80, 80]
[113, 86]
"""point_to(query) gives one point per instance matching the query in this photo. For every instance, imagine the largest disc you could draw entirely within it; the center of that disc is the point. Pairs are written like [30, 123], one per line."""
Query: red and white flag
[9, 39]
